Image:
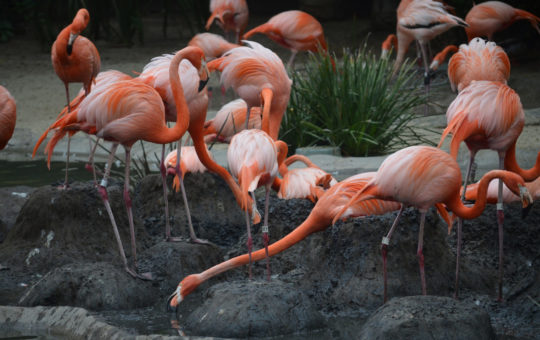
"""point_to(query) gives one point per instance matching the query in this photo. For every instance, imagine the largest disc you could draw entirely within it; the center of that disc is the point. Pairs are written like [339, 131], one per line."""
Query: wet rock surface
[428, 317]
[332, 275]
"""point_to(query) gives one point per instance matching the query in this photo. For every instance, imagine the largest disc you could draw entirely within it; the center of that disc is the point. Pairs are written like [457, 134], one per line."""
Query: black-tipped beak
[69, 49]
[525, 211]
[169, 308]
[71, 40]
[202, 84]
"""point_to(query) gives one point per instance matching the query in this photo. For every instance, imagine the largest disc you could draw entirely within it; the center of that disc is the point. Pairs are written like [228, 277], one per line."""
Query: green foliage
[358, 106]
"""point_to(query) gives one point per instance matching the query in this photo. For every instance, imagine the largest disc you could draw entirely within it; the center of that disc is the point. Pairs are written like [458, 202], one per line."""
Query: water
[35, 173]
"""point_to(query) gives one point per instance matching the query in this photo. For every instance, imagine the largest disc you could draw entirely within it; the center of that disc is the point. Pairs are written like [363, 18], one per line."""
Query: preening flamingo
[8, 116]
[423, 176]
[485, 115]
[124, 113]
[231, 15]
[319, 219]
[441, 56]
[421, 20]
[479, 60]
[254, 158]
[231, 119]
[258, 76]
[488, 17]
[294, 30]
[75, 60]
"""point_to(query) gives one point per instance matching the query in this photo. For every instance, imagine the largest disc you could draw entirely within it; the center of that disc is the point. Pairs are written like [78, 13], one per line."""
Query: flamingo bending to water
[231, 15]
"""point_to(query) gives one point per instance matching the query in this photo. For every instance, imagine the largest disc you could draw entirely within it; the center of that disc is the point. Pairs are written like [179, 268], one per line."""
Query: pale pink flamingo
[485, 115]
[422, 177]
[258, 76]
[8, 116]
[123, 113]
[75, 59]
[441, 56]
[319, 219]
[488, 17]
[294, 30]
[479, 60]
[231, 16]
[231, 119]
[254, 158]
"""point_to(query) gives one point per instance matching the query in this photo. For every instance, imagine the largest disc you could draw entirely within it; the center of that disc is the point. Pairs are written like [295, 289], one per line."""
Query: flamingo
[485, 115]
[8, 116]
[488, 17]
[510, 163]
[231, 119]
[424, 176]
[75, 60]
[294, 30]
[441, 56]
[421, 20]
[479, 60]
[257, 75]
[319, 219]
[254, 157]
[123, 113]
[213, 45]
[508, 196]
[388, 44]
[231, 15]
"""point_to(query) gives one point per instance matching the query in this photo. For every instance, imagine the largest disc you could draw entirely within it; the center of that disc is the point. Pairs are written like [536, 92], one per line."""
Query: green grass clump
[358, 106]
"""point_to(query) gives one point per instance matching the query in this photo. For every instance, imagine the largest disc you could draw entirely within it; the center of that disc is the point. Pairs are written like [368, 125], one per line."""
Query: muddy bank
[61, 252]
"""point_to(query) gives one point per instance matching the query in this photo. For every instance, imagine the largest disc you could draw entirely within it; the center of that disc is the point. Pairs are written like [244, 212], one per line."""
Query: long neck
[60, 45]
[456, 205]
[510, 164]
[313, 223]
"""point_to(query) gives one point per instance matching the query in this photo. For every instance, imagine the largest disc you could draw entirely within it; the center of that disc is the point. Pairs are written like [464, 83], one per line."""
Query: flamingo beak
[204, 76]
[71, 40]
[173, 300]
[526, 200]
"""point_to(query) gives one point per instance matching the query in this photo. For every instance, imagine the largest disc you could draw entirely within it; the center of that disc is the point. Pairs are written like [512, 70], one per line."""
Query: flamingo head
[79, 23]
[185, 287]
[526, 199]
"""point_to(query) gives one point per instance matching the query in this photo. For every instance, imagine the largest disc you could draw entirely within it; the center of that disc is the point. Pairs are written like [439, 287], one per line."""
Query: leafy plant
[356, 105]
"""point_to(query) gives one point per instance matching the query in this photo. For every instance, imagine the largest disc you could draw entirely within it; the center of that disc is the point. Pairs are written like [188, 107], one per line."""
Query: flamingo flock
[120, 109]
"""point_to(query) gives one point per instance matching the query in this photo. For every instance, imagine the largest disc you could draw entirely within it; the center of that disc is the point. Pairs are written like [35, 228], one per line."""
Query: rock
[428, 317]
[253, 309]
[95, 286]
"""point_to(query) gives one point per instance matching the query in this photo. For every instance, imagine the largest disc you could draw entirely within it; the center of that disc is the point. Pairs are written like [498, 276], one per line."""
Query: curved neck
[60, 45]
[510, 164]
[313, 223]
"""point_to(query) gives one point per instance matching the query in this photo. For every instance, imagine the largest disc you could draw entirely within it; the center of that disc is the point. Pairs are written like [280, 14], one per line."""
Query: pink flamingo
[8, 116]
[508, 196]
[441, 56]
[123, 113]
[485, 115]
[230, 120]
[423, 176]
[294, 30]
[75, 59]
[254, 157]
[258, 76]
[479, 60]
[213, 45]
[231, 15]
[319, 219]
[388, 44]
[488, 17]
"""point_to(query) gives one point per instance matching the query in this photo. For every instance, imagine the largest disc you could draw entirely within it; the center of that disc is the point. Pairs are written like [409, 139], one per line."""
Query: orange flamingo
[75, 60]
[8, 116]
[510, 164]
[213, 45]
[421, 20]
[123, 113]
[231, 15]
[319, 219]
[254, 157]
[485, 115]
[441, 56]
[508, 196]
[294, 30]
[230, 120]
[479, 60]
[257, 75]
[388, 44]
[488, 17]
[423, 176]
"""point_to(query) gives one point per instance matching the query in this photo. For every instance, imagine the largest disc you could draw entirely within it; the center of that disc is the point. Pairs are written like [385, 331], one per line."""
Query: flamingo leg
[419, 252]
[458, 256]
[163, 172]
[500, 223]
[291, 59]
[66, 184]
[249, 241]
[384, 250]
[470, 167]
[426, 74]
[247, 116]
[266, 238]
[90, 164]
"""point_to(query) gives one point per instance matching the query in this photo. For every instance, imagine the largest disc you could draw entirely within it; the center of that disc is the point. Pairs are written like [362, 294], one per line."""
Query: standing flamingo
[213, 45]
[231, 15]
[75, 60]
[485, 115]
[258, 76]
[123, 113]
[230, 120]
[319, 219]
[423, 176]
[441, 56]
[8, 116]
[254, 158]
[294, 30]
[488, 17]
[479, 60]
